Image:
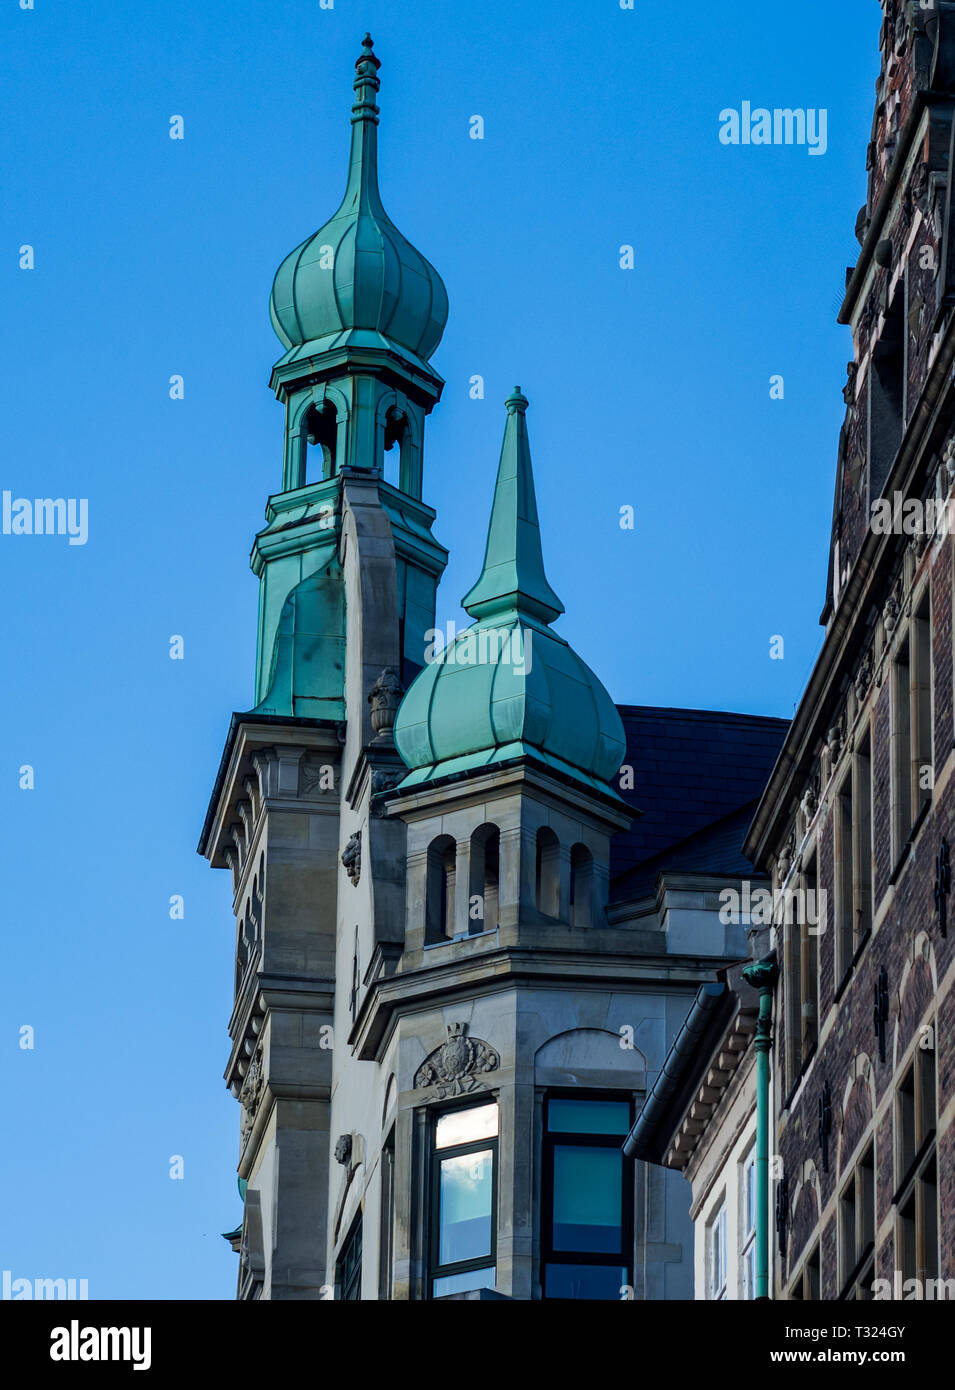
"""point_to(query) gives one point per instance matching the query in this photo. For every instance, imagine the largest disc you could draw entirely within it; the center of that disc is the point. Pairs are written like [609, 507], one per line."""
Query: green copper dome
[509, 687]
[357, 281]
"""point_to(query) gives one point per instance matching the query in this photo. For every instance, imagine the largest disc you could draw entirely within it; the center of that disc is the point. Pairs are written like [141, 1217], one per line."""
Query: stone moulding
[453, 1068]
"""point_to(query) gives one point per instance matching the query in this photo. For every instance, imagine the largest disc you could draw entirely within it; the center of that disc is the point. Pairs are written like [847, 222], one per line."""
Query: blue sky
[154, 257]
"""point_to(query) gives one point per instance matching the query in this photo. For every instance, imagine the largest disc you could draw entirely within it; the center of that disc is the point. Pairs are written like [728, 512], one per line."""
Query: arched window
[581, 886]
[401, 463]
[548, 872]
[439, 906]
[241, 954]
[485, 867]
[319, 443]
[254, 909]
[396, 433]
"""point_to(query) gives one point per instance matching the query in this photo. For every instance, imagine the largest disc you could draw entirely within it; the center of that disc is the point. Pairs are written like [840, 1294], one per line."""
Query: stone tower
[441, 1030]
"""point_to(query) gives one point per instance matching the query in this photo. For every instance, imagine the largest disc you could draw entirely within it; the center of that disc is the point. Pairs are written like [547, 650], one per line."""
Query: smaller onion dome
[357, 281]
[509, 687]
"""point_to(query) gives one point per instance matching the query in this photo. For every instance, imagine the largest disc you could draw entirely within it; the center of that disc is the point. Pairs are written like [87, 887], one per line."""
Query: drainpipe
[762, 975]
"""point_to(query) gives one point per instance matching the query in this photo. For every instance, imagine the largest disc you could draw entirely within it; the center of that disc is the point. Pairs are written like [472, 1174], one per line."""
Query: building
[860, 806]
[699, 1118]
[473, 898]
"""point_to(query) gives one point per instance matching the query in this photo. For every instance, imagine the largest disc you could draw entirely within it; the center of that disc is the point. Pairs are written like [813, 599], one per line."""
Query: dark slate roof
[698, 775]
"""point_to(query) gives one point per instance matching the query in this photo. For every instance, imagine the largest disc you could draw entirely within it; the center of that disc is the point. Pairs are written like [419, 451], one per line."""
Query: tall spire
[357, 282]
[513, 576]
[362, 188]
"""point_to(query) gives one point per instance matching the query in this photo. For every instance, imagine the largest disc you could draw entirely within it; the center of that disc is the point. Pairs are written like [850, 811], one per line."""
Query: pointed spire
[513, 577]
[363, 167]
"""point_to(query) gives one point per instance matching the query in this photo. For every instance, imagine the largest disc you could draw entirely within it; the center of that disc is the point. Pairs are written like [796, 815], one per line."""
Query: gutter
[683, 1055]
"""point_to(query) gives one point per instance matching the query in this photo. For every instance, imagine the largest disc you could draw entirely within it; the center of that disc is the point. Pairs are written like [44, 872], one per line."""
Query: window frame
[917, 1239]
[436, 1156]
[553, 1139]
[806, 1286]
[717, 1252]
[349, 1285]
[747, 1233]
[856, 1247]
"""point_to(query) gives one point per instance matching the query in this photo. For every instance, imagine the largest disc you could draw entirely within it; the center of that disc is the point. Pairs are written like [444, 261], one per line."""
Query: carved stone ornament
[849, 390]
[863, 677]
[343, 1150]
[384, 698]
[785, 859]
[948, 464]
[383, 779]
[834, 743]
[810, 801]
[351, 857]
[454, 1067]
[890, 614]
[251, 1093]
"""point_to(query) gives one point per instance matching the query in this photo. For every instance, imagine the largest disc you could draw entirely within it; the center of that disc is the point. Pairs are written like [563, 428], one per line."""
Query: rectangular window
[747, 1209]
[845, 926]
[387, 1235]
[587, 1203]
[916, 1232]
[799, 920]
[921, 706]
[464, 1199]
[915, 1113]
[807, 1284]
[348, 1273]
[792, 987]
[901, 751]
[716, 1255]
[809, 959]
[857, 1230]
[862, 842]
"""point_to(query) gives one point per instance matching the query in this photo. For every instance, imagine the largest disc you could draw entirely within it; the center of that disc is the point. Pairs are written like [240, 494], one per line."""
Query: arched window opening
[548, 872]
[396, 459]
[241, 955]
[485, 868]
[320, 441]
[581, 886]
[439, 907]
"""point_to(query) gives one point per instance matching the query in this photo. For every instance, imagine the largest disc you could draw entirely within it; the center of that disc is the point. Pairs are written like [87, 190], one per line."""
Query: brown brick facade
[899, 305]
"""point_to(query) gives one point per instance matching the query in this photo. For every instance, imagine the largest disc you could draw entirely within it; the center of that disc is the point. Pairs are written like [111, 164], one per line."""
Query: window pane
[584, 1281]
[464, 1283]
[588, 1116]
[588, 1188]
[465, 1207]
[749, 1194]
[464, 1126]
